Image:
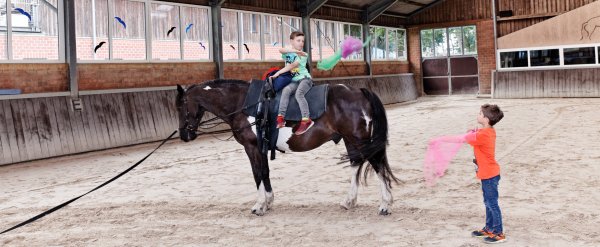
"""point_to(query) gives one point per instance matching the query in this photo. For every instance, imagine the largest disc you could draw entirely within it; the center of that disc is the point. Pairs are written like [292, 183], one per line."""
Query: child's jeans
[300, 88]
[493, 216]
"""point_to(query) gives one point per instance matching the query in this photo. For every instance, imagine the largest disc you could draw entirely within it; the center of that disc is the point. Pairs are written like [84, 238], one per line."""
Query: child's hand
[273, 76]
[301, 53]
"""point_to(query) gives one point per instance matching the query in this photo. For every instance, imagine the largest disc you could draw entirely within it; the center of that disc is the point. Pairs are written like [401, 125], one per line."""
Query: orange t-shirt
[484, 145]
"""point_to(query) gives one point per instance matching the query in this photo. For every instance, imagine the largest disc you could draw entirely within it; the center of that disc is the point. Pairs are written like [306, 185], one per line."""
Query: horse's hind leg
[355, 164]
[350, 200]
[378, 162]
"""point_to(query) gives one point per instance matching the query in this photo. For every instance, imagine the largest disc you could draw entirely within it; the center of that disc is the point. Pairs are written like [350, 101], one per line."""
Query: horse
[355, 115]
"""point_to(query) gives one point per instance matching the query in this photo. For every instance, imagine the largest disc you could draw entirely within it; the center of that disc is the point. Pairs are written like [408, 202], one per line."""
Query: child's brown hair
[493, 113]
[295, 34]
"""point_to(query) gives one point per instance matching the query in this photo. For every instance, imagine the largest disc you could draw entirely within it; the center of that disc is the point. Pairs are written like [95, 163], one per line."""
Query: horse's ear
[180, 89]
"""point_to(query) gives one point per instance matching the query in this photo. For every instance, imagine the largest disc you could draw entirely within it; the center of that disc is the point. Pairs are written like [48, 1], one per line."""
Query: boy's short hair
[493, 113]
[295, 34]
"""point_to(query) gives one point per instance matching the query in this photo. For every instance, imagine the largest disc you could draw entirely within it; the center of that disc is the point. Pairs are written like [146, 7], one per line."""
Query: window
[392, 44]
[3, 32]
[196, 38]
[513, 59]
[378, 48]
[563, 56]
[388, 43]
[128, 30]
[273, 37]
[92, 29]
[166, 37]
[544, 57]
[35, 31]
[440, 43]
[401, 43]
[242, 32]
[582, 55]
[230, 35]
[250, 49]
[470, 40]
[427, 43]
[326, 34]
[290, 25]
[315, 45]
[109, 30]
[458, 41]
[350, 30]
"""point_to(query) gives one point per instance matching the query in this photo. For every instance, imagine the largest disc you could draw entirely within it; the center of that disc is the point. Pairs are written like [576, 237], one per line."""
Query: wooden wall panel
[454, 10]
[531, 12]
[561, 83]
[39, 128]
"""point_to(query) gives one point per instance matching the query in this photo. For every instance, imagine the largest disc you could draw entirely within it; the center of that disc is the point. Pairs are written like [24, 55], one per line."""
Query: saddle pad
[316, 98]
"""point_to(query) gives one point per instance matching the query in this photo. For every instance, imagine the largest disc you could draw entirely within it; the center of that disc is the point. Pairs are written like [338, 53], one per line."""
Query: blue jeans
[493, 216]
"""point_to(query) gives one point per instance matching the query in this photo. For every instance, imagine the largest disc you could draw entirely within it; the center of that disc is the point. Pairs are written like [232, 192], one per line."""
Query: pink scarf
[440, 151]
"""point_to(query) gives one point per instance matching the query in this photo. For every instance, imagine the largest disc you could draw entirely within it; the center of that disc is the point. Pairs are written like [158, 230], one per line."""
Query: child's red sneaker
[483, 233]
[280, 122]
[304, 126]
[495, 239]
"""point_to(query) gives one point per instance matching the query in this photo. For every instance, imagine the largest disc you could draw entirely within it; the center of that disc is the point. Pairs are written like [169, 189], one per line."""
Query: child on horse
[295, 62]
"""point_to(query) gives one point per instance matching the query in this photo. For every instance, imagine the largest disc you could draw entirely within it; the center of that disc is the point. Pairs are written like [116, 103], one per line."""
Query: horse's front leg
[260, 170]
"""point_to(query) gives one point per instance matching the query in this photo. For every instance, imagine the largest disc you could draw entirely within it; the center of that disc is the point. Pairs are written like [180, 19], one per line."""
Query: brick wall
[414, 56]
[115, 76]
[34, 78]
[486, 54]
[389, 67]
[485, 50]
[31, 47]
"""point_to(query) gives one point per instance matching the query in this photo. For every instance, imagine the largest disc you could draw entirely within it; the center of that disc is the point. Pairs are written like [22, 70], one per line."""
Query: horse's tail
[375, 149]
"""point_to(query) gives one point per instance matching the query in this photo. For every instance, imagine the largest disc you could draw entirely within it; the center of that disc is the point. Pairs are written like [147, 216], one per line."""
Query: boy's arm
[475, 138]
[286, 69]
[453, 139]
[285, 50]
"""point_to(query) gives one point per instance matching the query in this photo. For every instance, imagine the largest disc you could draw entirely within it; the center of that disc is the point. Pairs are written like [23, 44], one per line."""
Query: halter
[189, 128]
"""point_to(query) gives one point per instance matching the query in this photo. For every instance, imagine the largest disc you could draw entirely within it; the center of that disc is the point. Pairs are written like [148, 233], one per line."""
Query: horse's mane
[218, 83]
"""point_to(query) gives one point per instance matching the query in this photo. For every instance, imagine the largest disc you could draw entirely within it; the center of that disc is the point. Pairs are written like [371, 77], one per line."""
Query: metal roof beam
[311, 7]
[414, 3]
[377, 9]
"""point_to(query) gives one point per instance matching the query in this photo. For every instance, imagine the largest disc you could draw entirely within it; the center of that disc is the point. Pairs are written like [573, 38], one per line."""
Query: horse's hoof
[384, 212]
[258, 212]
[348, 204]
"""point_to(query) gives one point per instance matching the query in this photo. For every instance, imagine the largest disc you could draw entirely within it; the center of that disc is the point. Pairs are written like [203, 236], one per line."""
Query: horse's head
[190, 114]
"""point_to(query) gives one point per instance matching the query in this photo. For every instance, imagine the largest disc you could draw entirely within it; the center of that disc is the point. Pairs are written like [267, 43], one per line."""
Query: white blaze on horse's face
[207, 88]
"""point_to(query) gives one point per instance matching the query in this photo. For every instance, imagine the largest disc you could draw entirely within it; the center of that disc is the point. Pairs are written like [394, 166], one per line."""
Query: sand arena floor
[200, 193]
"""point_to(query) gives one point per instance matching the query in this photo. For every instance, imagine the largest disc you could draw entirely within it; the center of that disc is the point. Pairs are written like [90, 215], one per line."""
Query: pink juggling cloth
[440, 152]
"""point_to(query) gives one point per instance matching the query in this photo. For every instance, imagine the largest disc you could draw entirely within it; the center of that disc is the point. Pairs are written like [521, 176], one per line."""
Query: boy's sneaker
[304, 126]
[495, 239]
[280, 122]
[483, 233]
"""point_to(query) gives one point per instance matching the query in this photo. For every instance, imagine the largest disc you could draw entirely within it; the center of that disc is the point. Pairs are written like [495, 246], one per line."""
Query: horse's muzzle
[187, 136]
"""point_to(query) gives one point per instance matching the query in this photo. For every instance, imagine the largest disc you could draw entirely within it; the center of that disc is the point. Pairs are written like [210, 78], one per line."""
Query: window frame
[403, 57]
[561, 56]
[448, 49]
[261, 32]
[148, 36]
[61, 40]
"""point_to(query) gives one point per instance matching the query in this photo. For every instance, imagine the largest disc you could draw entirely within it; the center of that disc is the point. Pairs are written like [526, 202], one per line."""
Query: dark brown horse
[355, 115]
